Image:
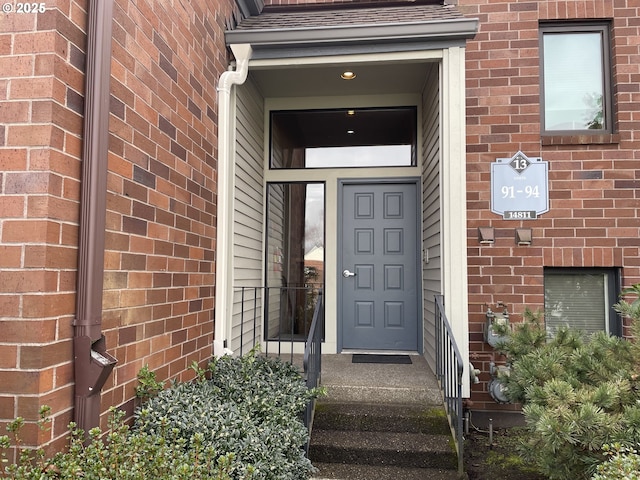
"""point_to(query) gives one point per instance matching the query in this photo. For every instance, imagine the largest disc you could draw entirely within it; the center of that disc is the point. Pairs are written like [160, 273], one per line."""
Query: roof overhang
[412, 27]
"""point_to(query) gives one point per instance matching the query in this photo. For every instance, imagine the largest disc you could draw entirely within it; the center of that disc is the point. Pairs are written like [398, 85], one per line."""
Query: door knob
[347, 274]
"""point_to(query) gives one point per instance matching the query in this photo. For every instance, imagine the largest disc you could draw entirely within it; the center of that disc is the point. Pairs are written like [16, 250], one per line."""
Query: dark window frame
[614, 281]
[604, 28]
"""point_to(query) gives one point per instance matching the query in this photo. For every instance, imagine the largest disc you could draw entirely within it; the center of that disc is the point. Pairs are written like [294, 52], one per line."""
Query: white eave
[370, 28]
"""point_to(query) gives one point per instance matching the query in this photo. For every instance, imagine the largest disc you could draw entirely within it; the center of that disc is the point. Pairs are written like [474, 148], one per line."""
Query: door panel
[378, 230]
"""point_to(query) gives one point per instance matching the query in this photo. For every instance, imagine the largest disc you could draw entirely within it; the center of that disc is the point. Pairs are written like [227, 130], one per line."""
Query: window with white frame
[575, 78]
[582, 299]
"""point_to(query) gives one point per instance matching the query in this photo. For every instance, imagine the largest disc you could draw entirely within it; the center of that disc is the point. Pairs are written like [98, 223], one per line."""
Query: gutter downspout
[224, 229]
[92, 364]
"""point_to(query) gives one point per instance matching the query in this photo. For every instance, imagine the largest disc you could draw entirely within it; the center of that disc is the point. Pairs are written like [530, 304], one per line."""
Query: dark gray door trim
[342, 182]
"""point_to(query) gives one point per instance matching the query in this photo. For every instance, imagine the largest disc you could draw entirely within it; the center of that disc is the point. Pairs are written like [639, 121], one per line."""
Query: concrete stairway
[381, 421]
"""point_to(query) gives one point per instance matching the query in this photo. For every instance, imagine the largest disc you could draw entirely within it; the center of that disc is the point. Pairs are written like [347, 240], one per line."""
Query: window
[582, 299]
[295, 257]
[575, 76]
[342, 138]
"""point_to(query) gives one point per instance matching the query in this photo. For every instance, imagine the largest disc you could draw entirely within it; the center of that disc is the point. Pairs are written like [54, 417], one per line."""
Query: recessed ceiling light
[351, 113]
[351, 132]
[348, 75]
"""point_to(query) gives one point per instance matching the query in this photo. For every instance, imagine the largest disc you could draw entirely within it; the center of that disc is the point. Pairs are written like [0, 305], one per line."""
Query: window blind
[576, 300]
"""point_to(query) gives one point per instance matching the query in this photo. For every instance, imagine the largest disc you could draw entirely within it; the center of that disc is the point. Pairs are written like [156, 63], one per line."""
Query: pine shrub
[579, 394]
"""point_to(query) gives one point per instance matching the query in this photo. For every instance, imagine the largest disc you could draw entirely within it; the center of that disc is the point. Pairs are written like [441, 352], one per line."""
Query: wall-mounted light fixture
[523, 236]
[486, 235]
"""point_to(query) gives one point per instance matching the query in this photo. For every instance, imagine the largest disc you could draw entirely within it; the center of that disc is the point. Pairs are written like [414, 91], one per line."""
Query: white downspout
[224, 230]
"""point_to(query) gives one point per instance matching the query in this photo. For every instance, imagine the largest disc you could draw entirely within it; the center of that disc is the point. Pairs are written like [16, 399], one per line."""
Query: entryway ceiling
[395, 78]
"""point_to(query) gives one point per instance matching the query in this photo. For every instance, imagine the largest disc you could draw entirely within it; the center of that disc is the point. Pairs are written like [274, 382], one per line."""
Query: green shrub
[249, 407]
[240, 420]
[623, 464]
[579, 394]
[118, 454]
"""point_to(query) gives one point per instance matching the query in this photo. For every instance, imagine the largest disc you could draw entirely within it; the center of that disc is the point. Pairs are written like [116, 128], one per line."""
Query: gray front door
[378, 267]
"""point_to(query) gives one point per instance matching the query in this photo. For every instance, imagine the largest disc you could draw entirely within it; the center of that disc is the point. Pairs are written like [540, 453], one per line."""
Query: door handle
[347, 274]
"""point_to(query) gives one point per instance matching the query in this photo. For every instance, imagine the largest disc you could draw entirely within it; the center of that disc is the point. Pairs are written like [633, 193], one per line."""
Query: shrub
[579, 394]
[623, 464]
[243, 423]
[248, 407]
[118, 454]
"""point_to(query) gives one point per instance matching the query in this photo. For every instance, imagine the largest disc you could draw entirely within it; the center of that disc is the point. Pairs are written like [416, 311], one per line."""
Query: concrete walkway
[381, 421]
[379, 383]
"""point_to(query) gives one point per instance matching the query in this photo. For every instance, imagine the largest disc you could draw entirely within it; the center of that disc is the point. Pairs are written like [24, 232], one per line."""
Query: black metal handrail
[449, 370]
[312, 361]
[254, 303]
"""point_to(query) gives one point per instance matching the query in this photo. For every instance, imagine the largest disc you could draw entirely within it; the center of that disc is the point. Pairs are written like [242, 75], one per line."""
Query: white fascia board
[445, 30]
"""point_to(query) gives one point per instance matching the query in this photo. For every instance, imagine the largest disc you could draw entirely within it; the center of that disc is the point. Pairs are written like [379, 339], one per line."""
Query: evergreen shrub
[248, 407]
[579, 393]
[239, 420]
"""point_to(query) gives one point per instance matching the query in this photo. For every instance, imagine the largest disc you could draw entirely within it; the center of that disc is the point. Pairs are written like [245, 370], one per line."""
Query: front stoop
[395, 431]
[399, 442]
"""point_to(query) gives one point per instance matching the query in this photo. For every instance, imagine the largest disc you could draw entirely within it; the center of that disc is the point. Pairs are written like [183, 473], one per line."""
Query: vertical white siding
[431, 212]
[248, 216]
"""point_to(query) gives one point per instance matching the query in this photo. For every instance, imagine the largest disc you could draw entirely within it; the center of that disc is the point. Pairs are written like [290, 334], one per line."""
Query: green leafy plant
[579, 394]
[247, 407]
[148, 384]
[238, 420]
[118, 453]
[623, 463]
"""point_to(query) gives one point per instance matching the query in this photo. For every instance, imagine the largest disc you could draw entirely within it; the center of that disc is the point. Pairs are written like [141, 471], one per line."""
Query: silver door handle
[347, 274]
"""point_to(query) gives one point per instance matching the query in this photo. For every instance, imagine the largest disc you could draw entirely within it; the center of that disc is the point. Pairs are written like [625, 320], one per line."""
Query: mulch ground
[496, 461]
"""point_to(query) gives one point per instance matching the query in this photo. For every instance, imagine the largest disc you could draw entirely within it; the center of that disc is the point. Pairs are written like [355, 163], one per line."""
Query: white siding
[431, 222]
[248, 216]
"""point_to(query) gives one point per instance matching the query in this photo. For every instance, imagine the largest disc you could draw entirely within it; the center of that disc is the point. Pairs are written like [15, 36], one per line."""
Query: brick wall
[594, 188]
[160, 228]
[41, 88]
[160, 233]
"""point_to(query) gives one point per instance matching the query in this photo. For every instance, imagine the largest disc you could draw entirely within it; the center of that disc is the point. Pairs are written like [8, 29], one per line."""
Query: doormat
[390, 359]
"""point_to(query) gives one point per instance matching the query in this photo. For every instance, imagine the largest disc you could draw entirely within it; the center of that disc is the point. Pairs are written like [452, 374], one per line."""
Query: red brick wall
[158, 298]
[41, 88]
[594, 189]
[160, 228]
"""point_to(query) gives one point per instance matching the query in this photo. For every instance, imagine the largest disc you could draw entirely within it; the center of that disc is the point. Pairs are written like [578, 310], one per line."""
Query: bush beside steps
[240, 419]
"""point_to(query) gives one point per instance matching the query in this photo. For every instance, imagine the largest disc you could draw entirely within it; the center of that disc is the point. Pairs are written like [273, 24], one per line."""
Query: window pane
[576, 300]
[367, 137]
[573, 81]
[295, 257]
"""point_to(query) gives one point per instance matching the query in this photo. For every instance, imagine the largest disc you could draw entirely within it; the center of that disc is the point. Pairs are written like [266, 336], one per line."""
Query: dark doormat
[371, 358]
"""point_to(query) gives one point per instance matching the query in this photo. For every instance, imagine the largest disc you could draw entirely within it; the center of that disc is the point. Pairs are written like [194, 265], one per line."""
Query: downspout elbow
[242, 53]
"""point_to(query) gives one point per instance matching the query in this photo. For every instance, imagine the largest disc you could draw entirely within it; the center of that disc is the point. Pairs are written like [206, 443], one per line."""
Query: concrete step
[379, 383]
[366, 417]
[407, 450]
[381, 421]
[333, 471]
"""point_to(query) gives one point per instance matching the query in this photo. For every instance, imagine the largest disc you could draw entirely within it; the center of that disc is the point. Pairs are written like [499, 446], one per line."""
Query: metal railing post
[449, 371]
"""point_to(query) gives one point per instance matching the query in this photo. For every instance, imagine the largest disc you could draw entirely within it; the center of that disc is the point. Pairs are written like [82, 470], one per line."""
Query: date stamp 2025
[24, 7]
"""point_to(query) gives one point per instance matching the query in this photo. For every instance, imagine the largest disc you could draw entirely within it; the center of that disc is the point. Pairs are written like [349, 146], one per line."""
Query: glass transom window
[343, 138]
